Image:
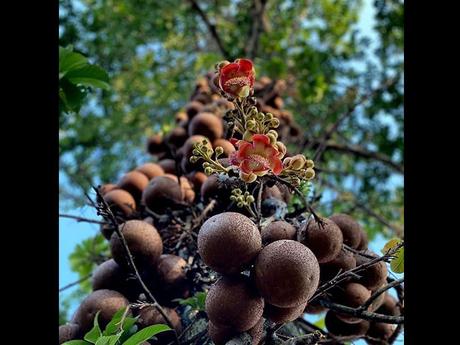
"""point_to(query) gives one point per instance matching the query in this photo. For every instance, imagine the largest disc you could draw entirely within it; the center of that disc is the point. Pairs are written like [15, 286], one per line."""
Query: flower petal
[277, 166]
[261, 138]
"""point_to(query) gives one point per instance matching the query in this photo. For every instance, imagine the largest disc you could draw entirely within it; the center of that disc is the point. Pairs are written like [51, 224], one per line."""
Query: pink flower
[237, 78]
[256, 158]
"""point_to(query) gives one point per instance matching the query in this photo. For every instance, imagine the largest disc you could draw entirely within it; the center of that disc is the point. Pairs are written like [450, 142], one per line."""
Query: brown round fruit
[272, 192]
[381, 331]
[206, 124]
[389, 306]
[313, 308]
[228, 147]
[220, 335]
[193, 108]
[188, 194]
[150, 315]
[345, 261]
[168, 165]
[351, 230]
[282, 315]
[143, 241]
[233, 302]
[67, 332]
[151, 170]
[363, 242]
[286, 273]
[324, 239]
[155, 144]
[197, 179]
[108, 302]
[177, 137]
[106, 230]
[134, 183]
[188, 145]
[278, 230]
[352, 295]
[229, 242]
[108, 275]
[162, 192]
[171, 272]
[121, 201]
[339, 328]
[104, 189]
[373, 276]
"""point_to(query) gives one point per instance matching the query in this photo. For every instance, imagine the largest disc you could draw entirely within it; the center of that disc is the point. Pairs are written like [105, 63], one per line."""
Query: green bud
[250, 199]
[273, 132]
[268, 116]
[209, 151]
[272, 138]
[275, 123]
[206, 164]
[247, 136]
[296, 181]
[196, 151]
[219, 150]
[204, 142]
[222, 64]
[251, 124]
[240, 204]
[253, 111]
[309, 173]
[309, 163]
[208, 171]
[260, 116]
[233, 198]
[193, 159]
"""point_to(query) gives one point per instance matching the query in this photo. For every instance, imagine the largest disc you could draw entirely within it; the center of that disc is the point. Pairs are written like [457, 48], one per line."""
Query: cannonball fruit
[286, 273]
[228, 147]
[278, 230]
[68, 332]
[134, 183]
[339, 328]
[345, 261]
[143, 240]
[323, 238]
[108, 302]
[151, 170]
[381, 332]
[233, 302]
[150, 315]
[108, 275]
[350, 228]
[282, 315]
[162, 192]
[104, 189]
[373, 276]
[352, 295]
[206, 124]
[168, 165]
[120, 200]
[229, 242]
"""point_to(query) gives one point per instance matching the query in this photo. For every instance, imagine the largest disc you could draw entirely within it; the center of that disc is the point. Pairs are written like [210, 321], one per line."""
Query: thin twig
[379, 292]
[81, 219]
[65, 287]
[211, 27]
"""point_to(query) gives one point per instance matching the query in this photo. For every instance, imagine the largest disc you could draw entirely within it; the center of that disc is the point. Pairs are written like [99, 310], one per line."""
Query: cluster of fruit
[267, 273]
[283, 267]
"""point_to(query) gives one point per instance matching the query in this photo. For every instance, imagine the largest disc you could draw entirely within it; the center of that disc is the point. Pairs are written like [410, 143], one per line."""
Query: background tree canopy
[345, 90]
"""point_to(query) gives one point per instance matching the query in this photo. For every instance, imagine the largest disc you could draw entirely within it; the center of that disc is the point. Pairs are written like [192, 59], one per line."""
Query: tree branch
[212, 29]
[81, 219]
[256, 28]
[379, 292]
[65, 287]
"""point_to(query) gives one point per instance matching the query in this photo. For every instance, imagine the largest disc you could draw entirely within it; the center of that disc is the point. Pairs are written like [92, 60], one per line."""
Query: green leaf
[112, 326]
[397, 264]
[69, 60]
[95, 332]
[145, 334]
[91, 76]
[320, 323]
[76, 342]
[108, 340]
[197, 301]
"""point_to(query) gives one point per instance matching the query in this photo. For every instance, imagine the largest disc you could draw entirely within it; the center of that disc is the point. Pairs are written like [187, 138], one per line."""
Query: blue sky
[71, 232]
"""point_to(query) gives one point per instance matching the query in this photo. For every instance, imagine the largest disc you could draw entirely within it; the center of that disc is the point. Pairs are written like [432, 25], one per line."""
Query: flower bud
[206, 164]
[309, 163]
[250, 199]
[196, 151]
[295, 181]
[222, 64]
[309, 173]
[287, 162]
[247, 136]
[251, 124]
[297, 162]
[253, 111]
[275, 123]
[208, 171]
[232, 197]
[272, 138]
[219, 150]
[240, 204]
[260, 116]
[281, 149]
[273, 132]
[193, 159]
[269, 116]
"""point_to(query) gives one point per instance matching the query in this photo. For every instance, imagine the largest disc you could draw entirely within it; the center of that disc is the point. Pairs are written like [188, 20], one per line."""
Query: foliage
[121, 330]
[196, 302]
[76, 77]
[86, 256]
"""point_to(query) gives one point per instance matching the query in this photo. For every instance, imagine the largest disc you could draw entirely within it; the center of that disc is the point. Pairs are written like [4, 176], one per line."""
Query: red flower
[237, 78]
[256, 158]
